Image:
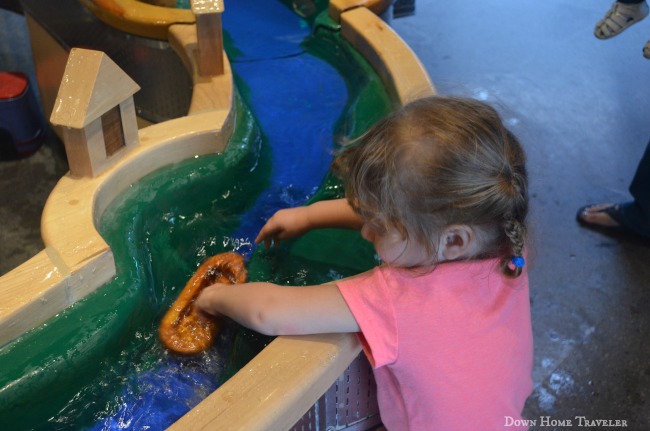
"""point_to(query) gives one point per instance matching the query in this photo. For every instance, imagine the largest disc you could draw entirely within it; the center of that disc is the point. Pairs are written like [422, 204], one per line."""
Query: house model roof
[92, 84]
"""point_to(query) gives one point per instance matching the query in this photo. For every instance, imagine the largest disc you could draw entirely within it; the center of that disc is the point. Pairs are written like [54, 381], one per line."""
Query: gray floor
[582, 108]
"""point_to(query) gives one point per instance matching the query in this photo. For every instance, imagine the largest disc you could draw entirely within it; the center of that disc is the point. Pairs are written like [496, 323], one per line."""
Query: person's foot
[646, 50]
[600, 215]
[619, 17]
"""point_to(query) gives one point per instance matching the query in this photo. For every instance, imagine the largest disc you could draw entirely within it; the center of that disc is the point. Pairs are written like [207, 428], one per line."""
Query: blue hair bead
[518, 261]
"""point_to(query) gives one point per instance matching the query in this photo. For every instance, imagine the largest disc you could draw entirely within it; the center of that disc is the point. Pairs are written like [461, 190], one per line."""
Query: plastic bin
[21, 126]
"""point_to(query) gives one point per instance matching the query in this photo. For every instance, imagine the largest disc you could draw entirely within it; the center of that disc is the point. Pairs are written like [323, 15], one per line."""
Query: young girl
[440, 189]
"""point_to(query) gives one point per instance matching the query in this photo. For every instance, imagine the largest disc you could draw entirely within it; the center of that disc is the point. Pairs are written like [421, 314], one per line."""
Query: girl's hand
[293, 222]
[206, 302]
[285, 224]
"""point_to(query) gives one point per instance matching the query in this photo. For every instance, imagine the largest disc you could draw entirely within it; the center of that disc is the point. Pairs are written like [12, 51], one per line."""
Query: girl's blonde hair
[440, 161]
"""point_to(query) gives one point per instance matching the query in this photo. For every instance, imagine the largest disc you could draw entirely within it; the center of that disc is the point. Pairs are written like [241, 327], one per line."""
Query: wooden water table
[108, 152]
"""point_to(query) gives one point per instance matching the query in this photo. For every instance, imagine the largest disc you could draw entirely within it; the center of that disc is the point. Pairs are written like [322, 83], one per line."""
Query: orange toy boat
[183, 329]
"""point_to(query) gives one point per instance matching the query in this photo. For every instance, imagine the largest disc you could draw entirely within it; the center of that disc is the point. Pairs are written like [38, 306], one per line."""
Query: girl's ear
[456, 241]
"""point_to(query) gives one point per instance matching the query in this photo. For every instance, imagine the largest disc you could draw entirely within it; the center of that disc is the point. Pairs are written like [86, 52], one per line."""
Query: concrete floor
[582, 108]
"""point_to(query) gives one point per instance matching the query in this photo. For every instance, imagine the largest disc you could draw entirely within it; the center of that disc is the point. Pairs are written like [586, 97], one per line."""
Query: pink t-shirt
[451, 349]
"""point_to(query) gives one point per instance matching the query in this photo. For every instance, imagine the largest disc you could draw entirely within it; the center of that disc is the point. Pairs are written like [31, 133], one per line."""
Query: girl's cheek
[367, 233]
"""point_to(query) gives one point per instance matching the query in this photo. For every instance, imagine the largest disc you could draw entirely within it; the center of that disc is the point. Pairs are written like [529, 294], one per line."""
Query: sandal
[615, 218]
[610, 210]
[619, 17]
[646, 50]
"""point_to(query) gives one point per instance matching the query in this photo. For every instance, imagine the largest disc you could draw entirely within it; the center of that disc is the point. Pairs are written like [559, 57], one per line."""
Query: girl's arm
[293, 222]
[272, 309]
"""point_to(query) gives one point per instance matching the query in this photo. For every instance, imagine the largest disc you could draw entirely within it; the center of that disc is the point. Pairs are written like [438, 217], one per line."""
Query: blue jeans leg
[635, 215]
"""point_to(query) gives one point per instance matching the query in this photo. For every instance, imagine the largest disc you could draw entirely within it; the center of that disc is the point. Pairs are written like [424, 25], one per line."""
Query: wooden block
[277, 387]
[210, 44]
[201, 7]
[209, 93]
[209, 36]
[393, 60]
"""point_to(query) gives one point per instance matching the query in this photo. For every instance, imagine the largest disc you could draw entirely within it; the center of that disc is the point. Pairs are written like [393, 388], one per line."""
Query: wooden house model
[95, 109]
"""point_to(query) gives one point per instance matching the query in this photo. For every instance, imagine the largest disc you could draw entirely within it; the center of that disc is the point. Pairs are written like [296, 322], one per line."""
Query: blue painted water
[296, 98]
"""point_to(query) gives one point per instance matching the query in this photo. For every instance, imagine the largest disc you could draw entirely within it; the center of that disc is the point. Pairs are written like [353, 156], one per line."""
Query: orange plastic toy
[183, 329]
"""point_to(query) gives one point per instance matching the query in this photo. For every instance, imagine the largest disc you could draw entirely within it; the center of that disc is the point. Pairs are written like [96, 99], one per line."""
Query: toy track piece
[183, 329]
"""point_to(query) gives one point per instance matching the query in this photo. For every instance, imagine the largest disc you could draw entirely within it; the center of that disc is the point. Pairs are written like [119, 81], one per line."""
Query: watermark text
[576, 421]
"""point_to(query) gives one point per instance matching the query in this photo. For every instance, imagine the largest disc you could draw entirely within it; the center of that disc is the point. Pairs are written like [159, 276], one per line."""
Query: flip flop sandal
[611, 210]
[616, 213]
[619, 17]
